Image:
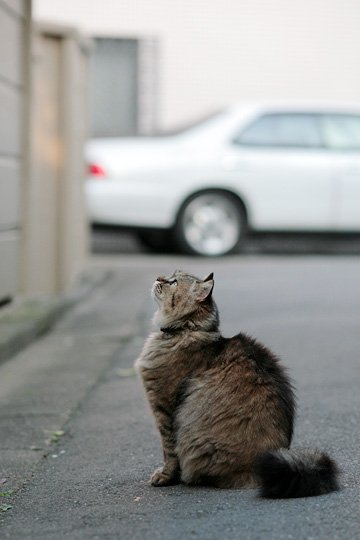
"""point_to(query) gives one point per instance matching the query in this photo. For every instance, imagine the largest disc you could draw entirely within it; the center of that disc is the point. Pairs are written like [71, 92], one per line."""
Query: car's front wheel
[210, 224]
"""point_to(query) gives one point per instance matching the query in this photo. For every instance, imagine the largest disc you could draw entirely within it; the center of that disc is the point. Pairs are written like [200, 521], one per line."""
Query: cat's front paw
[162, 478]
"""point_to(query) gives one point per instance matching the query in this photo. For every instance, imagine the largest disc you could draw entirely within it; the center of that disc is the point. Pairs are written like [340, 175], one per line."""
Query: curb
[25, 320]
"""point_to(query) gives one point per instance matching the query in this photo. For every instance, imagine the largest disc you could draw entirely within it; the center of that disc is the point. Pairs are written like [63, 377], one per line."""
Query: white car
[261, 167]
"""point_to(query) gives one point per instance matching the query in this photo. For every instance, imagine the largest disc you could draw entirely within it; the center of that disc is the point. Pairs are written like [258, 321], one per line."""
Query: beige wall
[14, 42]
[43, 229]
[218, 51]
[55, 225]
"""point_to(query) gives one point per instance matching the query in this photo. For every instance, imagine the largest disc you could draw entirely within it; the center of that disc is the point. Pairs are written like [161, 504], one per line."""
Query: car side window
[284, 130]
[341, 131]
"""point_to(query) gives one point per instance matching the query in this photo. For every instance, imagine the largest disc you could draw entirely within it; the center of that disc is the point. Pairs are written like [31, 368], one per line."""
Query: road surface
[77, 439]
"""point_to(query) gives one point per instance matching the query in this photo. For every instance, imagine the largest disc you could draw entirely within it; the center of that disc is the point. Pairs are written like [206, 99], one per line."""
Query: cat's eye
[173, 282]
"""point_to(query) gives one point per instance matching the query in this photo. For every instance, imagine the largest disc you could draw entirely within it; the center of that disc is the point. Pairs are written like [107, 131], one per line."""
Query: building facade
[215, 52]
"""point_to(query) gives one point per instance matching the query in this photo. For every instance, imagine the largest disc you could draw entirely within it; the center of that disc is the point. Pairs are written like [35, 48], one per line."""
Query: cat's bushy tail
[293, 473]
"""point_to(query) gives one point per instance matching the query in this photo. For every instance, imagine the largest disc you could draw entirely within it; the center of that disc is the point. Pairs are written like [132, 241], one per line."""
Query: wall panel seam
[9, 227]
[10, 11]
[10, 84]
[7, 156]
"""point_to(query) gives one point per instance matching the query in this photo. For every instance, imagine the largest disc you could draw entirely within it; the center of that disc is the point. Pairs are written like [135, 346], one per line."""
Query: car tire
[211, 224]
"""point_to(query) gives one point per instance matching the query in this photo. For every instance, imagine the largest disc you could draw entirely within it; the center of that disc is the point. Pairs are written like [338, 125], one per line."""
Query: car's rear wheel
[211, 224]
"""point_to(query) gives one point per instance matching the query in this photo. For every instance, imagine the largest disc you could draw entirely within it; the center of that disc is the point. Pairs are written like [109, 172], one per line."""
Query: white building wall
[215, 52]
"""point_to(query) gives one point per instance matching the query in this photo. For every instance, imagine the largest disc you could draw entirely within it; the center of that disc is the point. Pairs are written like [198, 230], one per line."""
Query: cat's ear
[205, 289]
[209, 277]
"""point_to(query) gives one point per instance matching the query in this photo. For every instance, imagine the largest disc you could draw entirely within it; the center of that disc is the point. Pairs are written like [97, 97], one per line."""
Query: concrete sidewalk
[41, 387]
[77, 442]
[24, 320]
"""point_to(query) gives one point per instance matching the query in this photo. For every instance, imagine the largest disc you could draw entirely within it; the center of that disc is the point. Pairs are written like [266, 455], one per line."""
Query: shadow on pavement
[113, 241]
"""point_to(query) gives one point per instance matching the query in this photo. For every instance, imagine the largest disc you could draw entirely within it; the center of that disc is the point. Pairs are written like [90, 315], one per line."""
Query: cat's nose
[161, 279]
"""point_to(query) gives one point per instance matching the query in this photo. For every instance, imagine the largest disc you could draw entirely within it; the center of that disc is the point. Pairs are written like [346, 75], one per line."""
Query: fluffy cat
[224, 406]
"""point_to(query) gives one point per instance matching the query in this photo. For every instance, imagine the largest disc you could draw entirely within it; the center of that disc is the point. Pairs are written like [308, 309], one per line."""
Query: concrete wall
[43, 120]
[14, 42]
[218, 51]
[55, 226]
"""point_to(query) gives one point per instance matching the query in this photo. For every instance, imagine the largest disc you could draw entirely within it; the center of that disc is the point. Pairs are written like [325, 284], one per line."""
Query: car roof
[335, 107]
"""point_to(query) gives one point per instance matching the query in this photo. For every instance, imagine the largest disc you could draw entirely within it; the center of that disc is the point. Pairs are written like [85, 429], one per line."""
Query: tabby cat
[224, 406]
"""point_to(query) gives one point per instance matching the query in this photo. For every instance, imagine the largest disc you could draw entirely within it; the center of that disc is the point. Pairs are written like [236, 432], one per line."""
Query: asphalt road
[76, 387]
[115, 241]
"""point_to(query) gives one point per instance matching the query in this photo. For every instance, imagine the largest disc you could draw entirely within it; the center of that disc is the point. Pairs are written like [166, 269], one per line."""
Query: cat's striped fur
[224, 406]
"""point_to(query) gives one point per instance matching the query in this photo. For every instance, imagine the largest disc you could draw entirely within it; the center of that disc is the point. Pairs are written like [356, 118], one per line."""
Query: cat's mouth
[156, 290]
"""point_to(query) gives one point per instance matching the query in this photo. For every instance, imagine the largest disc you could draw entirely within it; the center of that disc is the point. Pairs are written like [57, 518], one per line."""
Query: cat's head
[182, 295]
